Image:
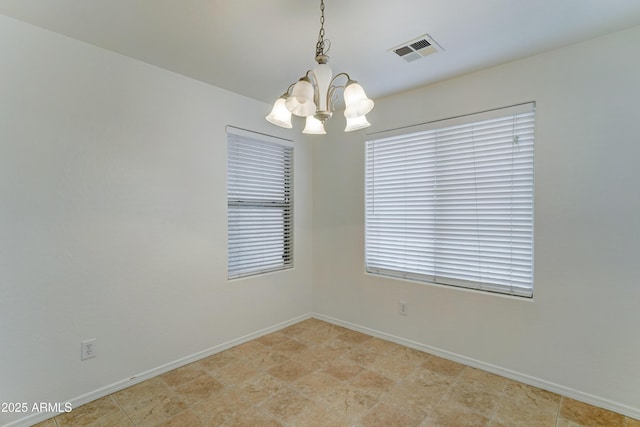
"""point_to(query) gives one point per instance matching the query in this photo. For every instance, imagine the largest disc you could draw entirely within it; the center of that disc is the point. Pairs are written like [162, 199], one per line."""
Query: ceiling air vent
[416, 48]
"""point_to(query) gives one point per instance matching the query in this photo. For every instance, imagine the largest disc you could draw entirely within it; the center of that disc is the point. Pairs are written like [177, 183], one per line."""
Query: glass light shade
[314, 126]
[279, 115]
[301, 102]
[355, 123]
[355, 100]
[323, 74]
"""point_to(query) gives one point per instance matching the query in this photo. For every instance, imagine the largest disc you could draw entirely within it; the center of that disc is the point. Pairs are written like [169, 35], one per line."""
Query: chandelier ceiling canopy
[314, 95]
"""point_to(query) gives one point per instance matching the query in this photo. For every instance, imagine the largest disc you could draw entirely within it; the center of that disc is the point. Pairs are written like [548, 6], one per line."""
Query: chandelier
[314, 95]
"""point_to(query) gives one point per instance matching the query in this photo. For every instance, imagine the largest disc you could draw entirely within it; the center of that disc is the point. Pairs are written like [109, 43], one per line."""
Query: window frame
[407, 259]
[254, 244]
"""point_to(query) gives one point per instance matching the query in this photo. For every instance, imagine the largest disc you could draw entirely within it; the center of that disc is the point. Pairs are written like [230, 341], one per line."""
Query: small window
[260, 203]
[452, 202]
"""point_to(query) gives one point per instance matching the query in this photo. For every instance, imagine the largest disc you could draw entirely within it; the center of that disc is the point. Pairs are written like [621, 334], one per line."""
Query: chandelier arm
[339, 75]
[288, 91]
[331, 98]
[316, 89]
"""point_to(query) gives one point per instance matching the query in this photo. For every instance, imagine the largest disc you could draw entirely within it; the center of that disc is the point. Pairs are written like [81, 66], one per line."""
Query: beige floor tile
[343, 369]
[372, 382]
[409, 356]
[255, 418]
[364, 356]
[316, 336]
[327, 352]
[541, 399]
[244, 350]
[380, 346]
[319, 416]
[289, 406]
[273, 339]
[331, 329]
[236, 372]
[198, 389]
[103, 412]
[260, 388]
[563, 422]
[316, 385]
[46, 423]
[143, 390]
[183, 419]
[310, 360]
[215, 362]
[428, 377]
[290, 347]
[517, 413]
[449, 412]
[465, 397]
[451, 416]
[183, 375]
[266, 358]
[630, 422]
[482, 380]
[297, 329]
[349, 402]
[289, 371]
[155, 411]
[150, 402]
[415, 397]
[223, 409]
[443, 366]
[393, 367]
[584, 414]
[388, 416]
[353, 337]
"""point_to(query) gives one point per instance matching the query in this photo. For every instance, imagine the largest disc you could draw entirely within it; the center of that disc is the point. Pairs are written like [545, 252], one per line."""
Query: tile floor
[318, 374]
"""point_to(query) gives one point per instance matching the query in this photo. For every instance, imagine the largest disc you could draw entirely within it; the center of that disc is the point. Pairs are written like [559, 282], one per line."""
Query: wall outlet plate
[404, 308]
[88, 349]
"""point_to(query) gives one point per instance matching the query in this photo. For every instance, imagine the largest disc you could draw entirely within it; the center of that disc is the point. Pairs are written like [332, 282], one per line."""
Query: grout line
[558, 411]
[122, 409]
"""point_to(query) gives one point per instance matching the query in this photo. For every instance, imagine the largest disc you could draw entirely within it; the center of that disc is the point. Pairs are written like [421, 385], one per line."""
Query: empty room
[319, 213]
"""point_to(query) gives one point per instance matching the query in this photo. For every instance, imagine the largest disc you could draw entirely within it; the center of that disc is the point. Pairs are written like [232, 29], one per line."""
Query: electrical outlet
[404, 308]
[88, 349]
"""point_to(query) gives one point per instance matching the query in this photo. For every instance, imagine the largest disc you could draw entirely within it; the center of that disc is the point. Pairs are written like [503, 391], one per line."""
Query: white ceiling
[258, 47]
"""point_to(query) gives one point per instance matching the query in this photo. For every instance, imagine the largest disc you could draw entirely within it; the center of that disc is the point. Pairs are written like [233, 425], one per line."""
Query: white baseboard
[154, 372]
[526, 379]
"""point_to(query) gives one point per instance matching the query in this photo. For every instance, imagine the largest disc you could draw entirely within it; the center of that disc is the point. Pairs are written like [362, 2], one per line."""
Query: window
[260, 203]
[452, 202]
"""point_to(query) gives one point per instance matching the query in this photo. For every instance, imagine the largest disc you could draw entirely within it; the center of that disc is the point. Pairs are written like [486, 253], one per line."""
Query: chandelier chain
[320, 44]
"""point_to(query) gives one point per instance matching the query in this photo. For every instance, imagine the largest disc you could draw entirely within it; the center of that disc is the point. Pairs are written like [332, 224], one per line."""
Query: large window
[451, 202]
[260, 204]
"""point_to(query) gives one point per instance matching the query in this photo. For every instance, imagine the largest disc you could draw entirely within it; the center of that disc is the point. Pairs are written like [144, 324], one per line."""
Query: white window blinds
[453, 203]
[260, 203]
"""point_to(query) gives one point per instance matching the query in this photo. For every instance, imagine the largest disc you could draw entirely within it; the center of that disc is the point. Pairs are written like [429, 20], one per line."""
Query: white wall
[113, 219]
[579, 335]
